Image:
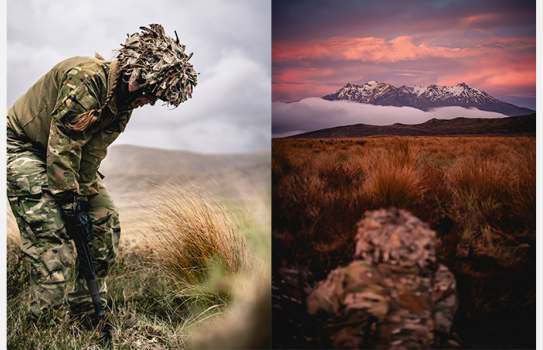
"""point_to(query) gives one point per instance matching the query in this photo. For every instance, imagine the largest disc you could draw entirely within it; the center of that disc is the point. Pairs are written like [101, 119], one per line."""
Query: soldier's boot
[86, 322]
[49, 317]
[105, 327]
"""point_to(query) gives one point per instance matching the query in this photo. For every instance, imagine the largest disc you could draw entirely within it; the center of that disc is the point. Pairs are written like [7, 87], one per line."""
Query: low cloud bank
[314, 113]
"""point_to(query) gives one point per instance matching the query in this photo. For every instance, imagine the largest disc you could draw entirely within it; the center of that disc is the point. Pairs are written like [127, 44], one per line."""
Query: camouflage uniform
[48, 162]
[393, 295]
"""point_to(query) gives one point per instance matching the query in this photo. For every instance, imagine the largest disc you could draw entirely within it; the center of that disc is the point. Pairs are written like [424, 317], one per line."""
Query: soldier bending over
[58, 132]
[394, 295]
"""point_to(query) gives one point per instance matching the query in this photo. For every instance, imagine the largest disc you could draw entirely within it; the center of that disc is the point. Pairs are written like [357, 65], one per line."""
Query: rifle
[79, 229]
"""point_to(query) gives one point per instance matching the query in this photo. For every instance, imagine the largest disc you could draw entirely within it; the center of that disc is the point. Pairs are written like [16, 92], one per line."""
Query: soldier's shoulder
[83, 65]
[360, 273]
[444, 277]
[361, 264]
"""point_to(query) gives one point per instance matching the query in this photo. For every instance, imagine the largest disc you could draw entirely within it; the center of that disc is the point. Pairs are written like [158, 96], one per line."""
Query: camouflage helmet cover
[395, 236]
[159, 64]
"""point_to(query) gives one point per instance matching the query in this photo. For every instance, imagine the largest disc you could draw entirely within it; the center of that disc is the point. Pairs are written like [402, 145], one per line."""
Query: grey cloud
[235, 95]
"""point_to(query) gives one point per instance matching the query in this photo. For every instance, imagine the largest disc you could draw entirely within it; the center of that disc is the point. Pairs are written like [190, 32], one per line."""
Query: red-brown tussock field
[478, 193]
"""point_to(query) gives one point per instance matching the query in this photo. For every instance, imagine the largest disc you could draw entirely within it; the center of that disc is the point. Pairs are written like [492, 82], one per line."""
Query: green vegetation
[199, 262]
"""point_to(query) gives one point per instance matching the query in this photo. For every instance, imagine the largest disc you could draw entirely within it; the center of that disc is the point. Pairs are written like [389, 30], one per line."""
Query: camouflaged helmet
[396, 237]
[159, 64]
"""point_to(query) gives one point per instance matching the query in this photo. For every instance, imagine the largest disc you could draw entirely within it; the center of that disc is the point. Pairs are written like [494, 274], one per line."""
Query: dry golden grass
[192, 236]
[218, 255]
[478, 193]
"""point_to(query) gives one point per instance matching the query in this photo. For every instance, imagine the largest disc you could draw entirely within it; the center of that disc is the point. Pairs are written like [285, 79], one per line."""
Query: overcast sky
[231, 40]
[318, 46]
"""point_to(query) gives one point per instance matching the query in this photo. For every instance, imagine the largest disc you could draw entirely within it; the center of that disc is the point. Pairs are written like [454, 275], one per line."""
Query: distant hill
[130, 170]
[433, 127]
[129, 158]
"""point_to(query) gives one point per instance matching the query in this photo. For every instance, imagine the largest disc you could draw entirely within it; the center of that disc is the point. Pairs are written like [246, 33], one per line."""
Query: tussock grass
[399, 186]
[191, 231]
[478, 193]
[200, 245]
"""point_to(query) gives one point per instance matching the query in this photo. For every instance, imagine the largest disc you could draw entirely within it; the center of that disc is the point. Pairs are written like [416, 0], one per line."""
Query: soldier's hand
[77, 218]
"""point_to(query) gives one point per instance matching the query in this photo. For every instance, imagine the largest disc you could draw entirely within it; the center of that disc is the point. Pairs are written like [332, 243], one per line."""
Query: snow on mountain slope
[425, 99]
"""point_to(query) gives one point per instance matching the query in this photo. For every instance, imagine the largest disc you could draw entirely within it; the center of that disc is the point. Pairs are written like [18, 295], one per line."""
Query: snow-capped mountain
[425, 99]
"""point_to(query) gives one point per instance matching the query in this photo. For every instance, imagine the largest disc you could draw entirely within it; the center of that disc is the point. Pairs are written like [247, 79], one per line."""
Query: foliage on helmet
[395, 236]
[159, 64]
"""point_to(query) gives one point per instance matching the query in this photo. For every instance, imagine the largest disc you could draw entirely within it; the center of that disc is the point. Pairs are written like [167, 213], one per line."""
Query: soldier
[57, 135]
[393, 295]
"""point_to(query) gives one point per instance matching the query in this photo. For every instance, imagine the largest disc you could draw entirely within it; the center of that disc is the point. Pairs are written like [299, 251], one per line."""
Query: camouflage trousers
[44, 240]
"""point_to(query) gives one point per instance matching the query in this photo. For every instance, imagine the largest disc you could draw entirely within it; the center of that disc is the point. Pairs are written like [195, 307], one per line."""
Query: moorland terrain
[132, 172]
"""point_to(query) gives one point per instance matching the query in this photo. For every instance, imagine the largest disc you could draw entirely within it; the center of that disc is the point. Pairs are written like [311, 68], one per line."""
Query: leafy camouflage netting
[159, 64]
[395, 236]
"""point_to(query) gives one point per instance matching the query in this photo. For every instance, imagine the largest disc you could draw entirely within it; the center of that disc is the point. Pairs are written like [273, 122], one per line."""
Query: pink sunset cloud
[291, 92]
[366, 49]
[299, 83]
[299, 75]
[479, 17]
[497, 45]
[496, 72]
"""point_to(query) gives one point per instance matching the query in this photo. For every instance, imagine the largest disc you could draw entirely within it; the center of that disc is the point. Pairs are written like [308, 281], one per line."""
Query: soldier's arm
[445, 299]
[352, 302]
[325, 298]
[95, 151]
[79, 93]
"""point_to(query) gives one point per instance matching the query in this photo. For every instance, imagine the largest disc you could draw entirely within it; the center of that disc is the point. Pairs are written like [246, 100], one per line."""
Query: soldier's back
[378, 306]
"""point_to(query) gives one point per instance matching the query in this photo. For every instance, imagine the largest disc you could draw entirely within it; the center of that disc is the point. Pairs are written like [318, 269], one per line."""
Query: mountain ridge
[425, 99]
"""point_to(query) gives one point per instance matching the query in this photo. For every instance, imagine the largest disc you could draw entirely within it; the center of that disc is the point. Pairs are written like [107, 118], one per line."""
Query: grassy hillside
[137, 159]
[433, 127]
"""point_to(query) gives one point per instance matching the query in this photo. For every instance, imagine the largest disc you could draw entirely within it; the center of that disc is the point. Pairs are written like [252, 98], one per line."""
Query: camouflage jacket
[72, 87]
[384, 306]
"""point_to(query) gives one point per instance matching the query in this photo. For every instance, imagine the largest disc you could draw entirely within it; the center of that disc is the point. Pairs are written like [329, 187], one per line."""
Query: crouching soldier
[58, 133]
[393, 295]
